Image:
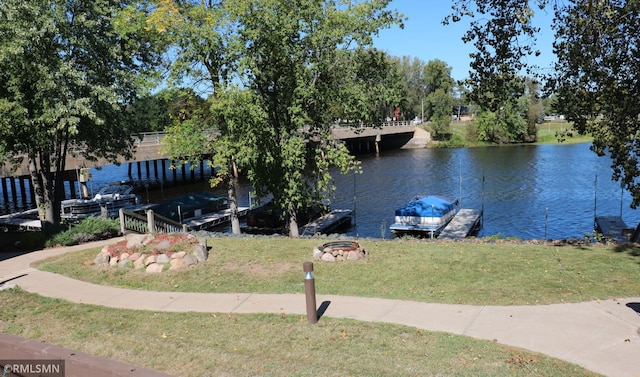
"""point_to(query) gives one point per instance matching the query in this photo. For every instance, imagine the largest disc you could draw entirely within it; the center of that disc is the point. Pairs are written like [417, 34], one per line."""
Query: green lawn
[197, 344]
[547, 133]
[480, 273]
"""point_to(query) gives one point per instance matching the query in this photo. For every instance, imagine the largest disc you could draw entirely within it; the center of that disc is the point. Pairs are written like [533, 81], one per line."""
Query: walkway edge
[602, 336]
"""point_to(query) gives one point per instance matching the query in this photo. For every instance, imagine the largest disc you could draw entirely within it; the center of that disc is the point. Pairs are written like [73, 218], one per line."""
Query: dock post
[122, 222]
[150, 222]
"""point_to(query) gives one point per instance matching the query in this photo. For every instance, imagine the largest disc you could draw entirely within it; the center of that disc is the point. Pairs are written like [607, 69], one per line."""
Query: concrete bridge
[148, 147]
[16, 185]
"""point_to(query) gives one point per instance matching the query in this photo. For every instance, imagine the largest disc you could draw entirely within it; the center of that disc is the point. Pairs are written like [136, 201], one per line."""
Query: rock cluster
[339, 251]
[152, 254]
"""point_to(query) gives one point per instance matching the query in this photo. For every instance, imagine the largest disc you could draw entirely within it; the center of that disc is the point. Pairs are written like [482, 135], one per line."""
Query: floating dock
[463, 224]
[211, 220]
[27, 220]
[328, 223]
[613, 227]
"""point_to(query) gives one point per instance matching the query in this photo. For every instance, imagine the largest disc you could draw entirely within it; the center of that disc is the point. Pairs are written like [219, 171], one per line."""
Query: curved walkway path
[602, 336]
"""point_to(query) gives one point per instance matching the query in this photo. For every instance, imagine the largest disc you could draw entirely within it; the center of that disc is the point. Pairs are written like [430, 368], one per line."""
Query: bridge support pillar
[147, 165]
[23, 192]
[5, 190]
[14, 193]
[173, 170]
[164, 169]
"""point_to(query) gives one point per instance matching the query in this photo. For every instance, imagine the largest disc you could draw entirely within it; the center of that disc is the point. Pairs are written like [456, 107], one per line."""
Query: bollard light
[310, 292]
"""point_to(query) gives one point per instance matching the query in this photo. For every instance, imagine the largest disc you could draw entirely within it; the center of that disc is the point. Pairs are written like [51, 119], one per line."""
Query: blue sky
[425, 37]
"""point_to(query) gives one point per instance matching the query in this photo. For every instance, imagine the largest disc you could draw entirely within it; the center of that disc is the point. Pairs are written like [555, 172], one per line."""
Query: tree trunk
[49, 192]
[293, 225]
[38, 188]
[233, 205]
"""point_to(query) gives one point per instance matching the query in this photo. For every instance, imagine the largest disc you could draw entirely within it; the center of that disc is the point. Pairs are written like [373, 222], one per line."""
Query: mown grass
[196, 344]
[547, 134]
[549, 130]
[479, 273]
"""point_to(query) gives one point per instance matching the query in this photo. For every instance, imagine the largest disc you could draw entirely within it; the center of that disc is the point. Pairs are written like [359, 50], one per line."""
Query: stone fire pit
[339, 251]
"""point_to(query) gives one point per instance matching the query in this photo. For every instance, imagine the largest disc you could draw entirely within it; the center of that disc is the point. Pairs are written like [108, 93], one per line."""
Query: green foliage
[596, 81]
[440, 104]
[595, 77]
[503, 34]
[151, 113]
[302, 64]
[455, 141]
[67, 76]
[90, 229]
[427, 91]
[515, 122]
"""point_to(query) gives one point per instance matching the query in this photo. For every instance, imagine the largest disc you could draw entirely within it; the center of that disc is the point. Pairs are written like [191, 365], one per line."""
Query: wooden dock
[27, 220]
[613, 227]
[210, 220]
[464, 223]
[327, 223]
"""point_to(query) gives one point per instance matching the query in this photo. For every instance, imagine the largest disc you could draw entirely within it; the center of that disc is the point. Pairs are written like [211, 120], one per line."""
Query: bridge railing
[396, 123]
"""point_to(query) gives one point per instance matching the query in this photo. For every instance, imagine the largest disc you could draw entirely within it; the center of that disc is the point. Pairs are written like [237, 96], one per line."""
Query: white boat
[109, 199]
[429, 215]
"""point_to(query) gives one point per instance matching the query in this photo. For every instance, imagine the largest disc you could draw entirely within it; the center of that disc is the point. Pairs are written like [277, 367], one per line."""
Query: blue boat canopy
[428, 206]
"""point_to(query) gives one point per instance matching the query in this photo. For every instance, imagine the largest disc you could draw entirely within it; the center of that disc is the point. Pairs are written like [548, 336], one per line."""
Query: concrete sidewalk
[602, 336]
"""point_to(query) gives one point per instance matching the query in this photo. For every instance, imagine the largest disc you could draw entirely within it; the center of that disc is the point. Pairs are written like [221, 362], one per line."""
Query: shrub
[89, 229]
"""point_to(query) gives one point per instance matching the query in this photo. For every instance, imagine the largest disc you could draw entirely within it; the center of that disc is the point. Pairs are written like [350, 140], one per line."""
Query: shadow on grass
[631, 249]
[323, 308]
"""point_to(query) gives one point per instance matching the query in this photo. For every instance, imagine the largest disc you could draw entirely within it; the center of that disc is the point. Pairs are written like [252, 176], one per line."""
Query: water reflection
[525, 191]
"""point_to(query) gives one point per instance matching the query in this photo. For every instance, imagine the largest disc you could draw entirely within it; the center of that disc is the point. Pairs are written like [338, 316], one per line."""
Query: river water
[528, 192]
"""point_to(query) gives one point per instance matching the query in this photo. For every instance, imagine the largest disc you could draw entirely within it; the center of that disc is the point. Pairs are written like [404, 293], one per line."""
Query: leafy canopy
[68, 70]
[596, 76]
[278, 74]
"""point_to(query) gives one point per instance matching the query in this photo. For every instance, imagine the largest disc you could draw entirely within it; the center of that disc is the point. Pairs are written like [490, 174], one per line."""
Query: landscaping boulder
[102, 260]
[201, 252]
[155, 268]
[177, 264]
[190, 260]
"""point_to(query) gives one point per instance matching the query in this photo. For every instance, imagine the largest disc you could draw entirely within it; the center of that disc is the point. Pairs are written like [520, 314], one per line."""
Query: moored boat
[108, 200]
[429, 215]
[189, 206]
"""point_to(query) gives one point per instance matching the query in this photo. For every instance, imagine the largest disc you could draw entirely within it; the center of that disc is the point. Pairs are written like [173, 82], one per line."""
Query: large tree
[303, 58]
[67, 75]
[438, 88]
[278, 74]
[428, 89]
[596, 74]
[200, 37]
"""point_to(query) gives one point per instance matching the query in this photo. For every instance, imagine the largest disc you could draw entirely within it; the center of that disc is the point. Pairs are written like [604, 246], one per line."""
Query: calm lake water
[527, 192]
